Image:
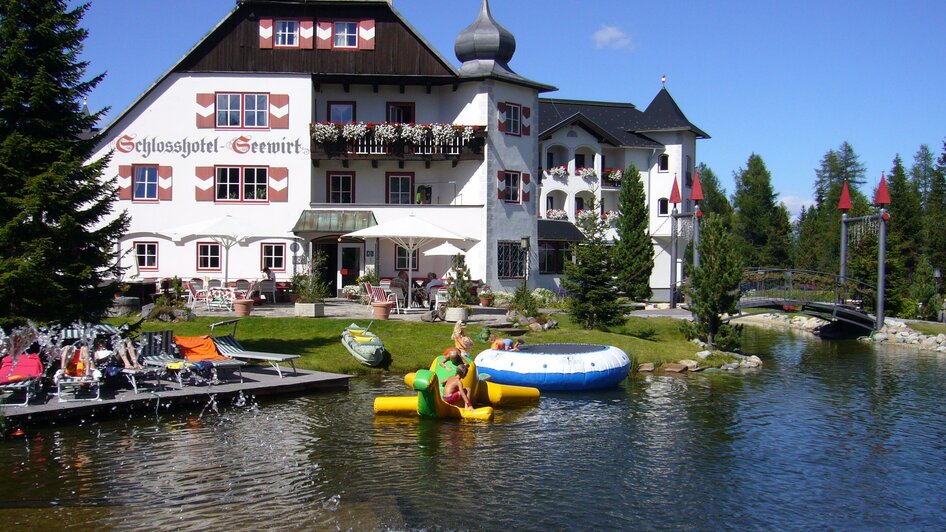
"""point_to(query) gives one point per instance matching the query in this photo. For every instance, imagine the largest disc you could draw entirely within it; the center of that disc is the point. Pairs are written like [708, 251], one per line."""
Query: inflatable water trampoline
[557, 367]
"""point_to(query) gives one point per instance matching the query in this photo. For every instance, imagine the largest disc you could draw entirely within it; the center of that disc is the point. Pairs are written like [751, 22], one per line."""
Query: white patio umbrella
[445, 249]
[224, 230]
[411, 233]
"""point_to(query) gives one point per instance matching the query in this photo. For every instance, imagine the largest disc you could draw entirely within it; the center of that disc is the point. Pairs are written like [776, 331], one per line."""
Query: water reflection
[827, 435]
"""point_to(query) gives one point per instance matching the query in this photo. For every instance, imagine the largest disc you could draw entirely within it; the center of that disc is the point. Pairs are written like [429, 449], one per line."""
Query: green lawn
[928, 327]
[414, 344]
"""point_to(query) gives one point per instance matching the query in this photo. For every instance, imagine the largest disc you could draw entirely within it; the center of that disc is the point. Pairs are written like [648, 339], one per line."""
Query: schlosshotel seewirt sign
[185, 147]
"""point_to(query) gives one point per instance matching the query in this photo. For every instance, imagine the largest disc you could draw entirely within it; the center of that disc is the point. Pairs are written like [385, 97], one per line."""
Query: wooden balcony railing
[456, 148]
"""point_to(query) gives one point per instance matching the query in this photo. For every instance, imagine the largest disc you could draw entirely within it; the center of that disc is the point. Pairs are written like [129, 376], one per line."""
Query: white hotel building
[228, 130]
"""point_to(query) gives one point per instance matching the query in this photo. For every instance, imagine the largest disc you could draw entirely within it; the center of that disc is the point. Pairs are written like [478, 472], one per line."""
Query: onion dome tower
[485, 40]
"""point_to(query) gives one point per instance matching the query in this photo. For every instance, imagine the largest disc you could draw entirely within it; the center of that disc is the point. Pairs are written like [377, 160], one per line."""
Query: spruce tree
[761, 232]
[589, 280]
[935, 218]
[634, 251]
[714, 196]
[713, 288]
[56, 242]
[906, 225]
[923, 170]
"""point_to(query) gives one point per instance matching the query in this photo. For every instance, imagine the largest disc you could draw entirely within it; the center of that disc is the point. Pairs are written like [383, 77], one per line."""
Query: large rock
[536, 327]
[941, 338]
[702, 355]
[673, 367]
[929, 341]
[690, 364]
[751, 362]
[646, 367]
[880, 337]
[730, 366]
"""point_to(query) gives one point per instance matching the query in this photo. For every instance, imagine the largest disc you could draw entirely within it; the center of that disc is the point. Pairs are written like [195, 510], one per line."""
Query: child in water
[453, 389]
[453, 355]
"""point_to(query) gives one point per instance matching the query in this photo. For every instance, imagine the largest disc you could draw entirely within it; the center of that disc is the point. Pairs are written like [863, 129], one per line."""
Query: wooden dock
[258, 381]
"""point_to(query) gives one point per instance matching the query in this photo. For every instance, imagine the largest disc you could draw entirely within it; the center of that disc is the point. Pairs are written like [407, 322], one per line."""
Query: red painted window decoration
[265, 33]
[144, 183]
[510, 260]
[401, 112]
[146, 254]
[400, 259]
[208, 257]
[341, 112]
[341, 187]
[237, 183]
[514, 119]
[273, 255]
[345, 34]
[399, 189]
[242, 110]
[509, 186]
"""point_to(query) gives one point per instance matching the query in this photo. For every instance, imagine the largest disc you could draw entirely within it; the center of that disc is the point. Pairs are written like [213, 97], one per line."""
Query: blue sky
[786, 80]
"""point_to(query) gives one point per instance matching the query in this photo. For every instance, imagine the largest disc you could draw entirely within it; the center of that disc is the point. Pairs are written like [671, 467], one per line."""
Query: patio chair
[157, 353]
[229, 346]
[21, 375]
[376, 294]
[241, 287]
[214, 283]
[400, 299]
[77, 375]
[195, 294]
[202, 349]
[267, 287]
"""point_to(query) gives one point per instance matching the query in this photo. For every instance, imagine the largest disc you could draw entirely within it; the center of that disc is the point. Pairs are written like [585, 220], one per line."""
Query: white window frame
[242, 105]
[400, 259]
[273, 254]
[146, 255]
[206, 255]
[341, 105]
[236, 179]
[147, 180]
[346, 35]
[513, 118]
[663, 207]
[513, 182]
[404, 198]
[286, 33]
[341, 192]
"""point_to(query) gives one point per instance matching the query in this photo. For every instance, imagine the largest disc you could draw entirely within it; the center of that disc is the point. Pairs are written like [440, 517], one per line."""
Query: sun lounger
[157, 352]
[202, 349]
[229, 346]
[77, 377]
[23, 375]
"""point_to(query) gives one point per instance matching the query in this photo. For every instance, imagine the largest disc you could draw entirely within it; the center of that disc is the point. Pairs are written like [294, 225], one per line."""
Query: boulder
[751, 362]
[729, 366]
[941, 338]
[690, 364]
[711, 370]
[929, 341]
[879, 337]
[703, 354]
[673, 368]
[536, 326]
[646, 367]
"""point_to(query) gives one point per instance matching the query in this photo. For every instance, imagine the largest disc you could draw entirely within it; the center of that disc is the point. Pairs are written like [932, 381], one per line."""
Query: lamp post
[696, 195]
[524, 245]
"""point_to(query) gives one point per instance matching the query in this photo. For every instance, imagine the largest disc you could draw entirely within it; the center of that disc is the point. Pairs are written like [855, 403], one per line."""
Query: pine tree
[56, 245]
[935, 216]
[633, 251]
[714, 196]
[713, 288]
[923, 170]
[906, 225]
[589, 280]
[760, 231]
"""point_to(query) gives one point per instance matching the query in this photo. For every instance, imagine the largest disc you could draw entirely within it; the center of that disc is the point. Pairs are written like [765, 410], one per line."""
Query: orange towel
[197, 348]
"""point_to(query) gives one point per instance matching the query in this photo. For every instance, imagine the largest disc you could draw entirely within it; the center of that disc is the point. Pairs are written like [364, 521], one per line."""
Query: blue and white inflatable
[557, 367]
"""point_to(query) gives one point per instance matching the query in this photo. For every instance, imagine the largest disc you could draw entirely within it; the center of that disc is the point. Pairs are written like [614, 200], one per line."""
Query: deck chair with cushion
[78, 375]
[157, 353]
[229, 346]
[202, 350]
[21, 375]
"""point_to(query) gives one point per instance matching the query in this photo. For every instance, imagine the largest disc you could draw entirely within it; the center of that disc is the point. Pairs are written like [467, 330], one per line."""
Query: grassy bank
[414, 344]
[928, 327]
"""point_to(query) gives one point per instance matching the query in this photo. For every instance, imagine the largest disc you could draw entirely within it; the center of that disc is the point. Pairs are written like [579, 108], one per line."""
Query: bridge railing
[797, 287]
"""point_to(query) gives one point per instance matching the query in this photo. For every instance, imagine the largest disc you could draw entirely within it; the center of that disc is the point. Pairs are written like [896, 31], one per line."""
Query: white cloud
[795, 203]
[612, 37]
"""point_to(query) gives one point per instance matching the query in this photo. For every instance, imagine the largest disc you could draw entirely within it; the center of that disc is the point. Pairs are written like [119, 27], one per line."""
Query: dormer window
[663, 163]
[346, 35]
[287, 33]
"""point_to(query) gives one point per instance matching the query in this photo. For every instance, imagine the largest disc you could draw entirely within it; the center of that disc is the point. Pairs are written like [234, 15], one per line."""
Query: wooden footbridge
[823, 295]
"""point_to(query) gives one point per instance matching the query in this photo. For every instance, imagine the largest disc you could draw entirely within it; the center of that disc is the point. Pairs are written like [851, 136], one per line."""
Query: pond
[828, 434]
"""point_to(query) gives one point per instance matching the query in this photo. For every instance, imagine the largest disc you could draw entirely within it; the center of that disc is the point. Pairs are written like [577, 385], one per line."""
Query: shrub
[523, 302]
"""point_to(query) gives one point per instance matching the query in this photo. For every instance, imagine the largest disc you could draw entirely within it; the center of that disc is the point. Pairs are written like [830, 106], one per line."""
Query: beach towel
[197, 348]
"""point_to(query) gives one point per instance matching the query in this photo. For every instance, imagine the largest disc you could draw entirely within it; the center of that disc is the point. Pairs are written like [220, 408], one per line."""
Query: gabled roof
[613, 118]
[584, 122]
[663, 114]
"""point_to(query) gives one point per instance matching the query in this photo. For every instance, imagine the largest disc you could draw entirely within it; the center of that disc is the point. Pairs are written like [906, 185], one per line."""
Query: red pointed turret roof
[845, 202]
[675, 192]
[696, 193]
[882, 197]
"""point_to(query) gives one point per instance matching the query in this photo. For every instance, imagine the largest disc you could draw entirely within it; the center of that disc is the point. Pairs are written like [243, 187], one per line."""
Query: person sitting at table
[400, 282]
[268, 274]
[432, 285]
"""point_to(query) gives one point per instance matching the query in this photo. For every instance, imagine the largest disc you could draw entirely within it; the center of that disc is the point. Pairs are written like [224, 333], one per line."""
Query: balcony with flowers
[556, 214]
[559, 172]
[611, 178]
[587, 173]
[394, 141]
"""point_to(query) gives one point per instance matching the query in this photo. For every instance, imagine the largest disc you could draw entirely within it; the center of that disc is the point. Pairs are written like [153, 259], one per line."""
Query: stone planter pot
[242, 307]
[310, 310]
[381, 311]
[457, 314]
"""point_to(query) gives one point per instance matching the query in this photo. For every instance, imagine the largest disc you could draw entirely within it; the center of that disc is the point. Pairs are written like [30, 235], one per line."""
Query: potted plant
[310, 290]
[460, 293]
[486, 296]
[351, 291]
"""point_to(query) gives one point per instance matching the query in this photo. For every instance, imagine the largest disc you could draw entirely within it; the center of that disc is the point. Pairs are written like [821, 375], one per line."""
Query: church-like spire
[485, 39]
